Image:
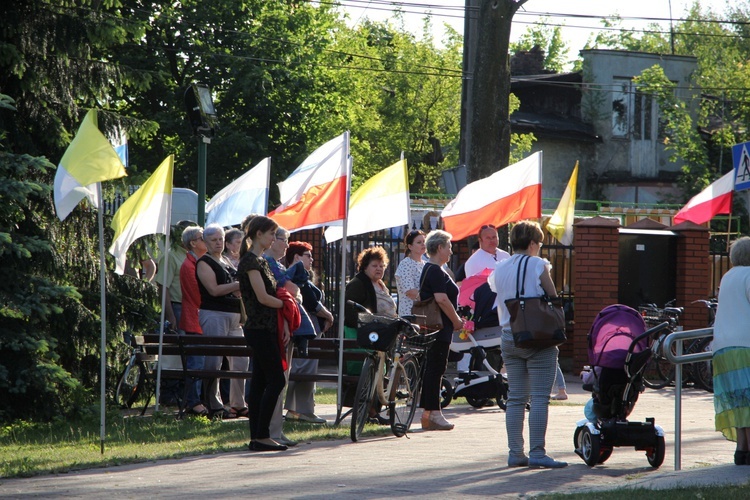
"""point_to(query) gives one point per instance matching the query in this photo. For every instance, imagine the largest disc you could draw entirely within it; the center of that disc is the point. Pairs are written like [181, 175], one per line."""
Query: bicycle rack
[679, 359]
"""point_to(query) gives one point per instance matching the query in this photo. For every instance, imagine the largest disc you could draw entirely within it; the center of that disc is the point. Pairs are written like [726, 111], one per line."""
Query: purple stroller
[619, 350]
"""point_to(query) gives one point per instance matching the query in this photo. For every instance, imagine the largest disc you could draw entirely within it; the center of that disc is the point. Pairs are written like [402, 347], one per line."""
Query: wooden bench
[201, 345]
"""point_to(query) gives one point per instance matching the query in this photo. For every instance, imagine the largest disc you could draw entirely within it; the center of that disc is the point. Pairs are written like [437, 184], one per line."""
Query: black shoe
[258, 446]
[741, 457]
[378, 419]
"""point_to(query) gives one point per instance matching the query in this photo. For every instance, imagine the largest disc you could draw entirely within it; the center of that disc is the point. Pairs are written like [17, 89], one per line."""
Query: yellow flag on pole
[89, 159]
[561, 224]
[147, 211]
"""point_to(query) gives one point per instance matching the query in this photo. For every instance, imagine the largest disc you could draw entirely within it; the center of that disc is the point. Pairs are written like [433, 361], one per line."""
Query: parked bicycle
[659, 372]
[392, 373]
[702, 372]
[137, 378]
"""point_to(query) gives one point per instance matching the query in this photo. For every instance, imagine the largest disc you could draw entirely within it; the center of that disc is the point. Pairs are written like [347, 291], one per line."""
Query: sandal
[241, 412]
[198, 410]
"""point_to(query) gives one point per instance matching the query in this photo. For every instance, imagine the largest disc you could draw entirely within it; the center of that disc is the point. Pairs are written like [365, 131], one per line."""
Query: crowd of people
[216, 278]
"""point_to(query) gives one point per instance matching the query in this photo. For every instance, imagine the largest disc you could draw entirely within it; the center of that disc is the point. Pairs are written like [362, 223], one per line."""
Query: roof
[551, 126]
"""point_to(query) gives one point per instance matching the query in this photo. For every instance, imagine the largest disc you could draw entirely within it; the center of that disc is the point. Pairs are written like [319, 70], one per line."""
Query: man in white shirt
[484, 258]
[488, 254]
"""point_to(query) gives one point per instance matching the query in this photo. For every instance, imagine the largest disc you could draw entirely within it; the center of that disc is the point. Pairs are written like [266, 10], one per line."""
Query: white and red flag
[512, 194]
[715, 199]
[315, 194]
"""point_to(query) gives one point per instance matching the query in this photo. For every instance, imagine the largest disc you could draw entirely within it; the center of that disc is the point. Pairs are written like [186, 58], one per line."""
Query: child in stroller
[619, 349]
[483, 382]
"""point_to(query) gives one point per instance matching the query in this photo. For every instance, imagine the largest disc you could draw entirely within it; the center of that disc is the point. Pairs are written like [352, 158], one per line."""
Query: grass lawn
[40, 448]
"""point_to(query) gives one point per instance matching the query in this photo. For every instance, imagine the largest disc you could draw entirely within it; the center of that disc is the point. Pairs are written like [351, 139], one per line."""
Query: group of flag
[317, 194]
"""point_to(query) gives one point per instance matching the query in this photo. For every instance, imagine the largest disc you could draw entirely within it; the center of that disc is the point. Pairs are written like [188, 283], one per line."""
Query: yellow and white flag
[147, 211]
[561, 224]
[89, 159]
[380, 203]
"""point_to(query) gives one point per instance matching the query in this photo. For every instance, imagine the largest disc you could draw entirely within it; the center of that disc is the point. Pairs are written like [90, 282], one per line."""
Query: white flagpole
[163, 303]
[342, 284]
[103, 315]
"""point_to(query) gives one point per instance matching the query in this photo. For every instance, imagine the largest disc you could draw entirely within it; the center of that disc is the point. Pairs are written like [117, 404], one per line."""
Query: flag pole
[342, 283]
[163, 305]
[103, 315]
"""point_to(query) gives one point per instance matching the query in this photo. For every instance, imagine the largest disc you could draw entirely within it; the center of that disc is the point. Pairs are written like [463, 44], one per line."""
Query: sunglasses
[487, 226]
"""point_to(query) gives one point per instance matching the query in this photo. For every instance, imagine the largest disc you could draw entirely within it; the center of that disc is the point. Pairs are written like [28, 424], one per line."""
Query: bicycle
[702, 372]
[659, 372]
[137, 378]
[392, 372]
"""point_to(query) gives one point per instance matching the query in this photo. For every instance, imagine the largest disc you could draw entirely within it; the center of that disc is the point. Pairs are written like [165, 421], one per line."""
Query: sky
[575, 30]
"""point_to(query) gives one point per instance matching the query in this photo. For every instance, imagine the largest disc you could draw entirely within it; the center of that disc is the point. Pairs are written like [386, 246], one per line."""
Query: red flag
[715, 199]
[315, 194]
[512, 194]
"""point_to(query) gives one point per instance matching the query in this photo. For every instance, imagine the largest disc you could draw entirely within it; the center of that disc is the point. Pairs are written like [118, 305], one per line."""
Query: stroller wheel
[589, 447]
[655, 456]
[502, 395]
[477, 402]
[446, 393]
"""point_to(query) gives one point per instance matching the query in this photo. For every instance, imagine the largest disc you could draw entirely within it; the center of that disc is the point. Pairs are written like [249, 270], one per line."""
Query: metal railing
[679, 359]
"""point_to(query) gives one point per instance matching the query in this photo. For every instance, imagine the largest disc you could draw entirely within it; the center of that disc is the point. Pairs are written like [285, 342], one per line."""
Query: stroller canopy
[613, 330]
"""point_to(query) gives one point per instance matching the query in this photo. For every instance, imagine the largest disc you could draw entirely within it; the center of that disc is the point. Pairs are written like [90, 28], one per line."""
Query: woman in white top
[731, 346]
[409, 270]
[531, 372]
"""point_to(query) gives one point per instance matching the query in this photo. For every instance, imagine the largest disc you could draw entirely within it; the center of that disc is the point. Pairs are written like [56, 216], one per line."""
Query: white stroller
[483, 382]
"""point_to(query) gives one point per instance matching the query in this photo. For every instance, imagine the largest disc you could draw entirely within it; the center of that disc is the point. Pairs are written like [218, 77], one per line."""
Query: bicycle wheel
[703, 371]
[402, 400]
[653, 375]
[363, 398]
[130, 384]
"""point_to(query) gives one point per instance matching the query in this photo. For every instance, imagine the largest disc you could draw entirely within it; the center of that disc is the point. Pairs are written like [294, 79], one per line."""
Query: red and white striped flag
[512, 194]
[715, 199]
[315, 194]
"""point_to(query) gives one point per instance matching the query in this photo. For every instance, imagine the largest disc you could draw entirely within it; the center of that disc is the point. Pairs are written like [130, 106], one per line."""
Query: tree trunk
[490, 122]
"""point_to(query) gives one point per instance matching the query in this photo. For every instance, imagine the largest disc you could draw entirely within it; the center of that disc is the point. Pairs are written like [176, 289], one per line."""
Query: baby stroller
[482, 382]
[619, 349]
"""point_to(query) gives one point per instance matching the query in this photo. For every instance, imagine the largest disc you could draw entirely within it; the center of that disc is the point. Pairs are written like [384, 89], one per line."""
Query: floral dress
[407, 278]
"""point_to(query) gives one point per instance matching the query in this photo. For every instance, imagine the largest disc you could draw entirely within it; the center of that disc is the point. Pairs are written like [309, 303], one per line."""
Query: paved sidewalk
[469, 461]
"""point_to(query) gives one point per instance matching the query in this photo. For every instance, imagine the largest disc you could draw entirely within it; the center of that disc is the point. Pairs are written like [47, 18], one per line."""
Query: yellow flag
[561, 224]
[89, 159]
[147, 211]
[381, 202]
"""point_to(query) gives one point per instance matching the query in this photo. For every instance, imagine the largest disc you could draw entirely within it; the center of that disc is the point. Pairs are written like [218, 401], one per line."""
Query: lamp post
[202, 117]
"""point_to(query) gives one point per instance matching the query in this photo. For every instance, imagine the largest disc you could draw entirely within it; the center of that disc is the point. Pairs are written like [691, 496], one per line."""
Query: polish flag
[512, 194]
[715, 199]
[315, 194]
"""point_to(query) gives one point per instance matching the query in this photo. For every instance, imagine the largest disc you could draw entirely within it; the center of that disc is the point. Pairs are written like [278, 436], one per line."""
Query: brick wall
[596, 278]
[693, 272]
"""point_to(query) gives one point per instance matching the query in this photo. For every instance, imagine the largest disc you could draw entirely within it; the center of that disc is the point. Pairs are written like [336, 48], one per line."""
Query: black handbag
[536, 322]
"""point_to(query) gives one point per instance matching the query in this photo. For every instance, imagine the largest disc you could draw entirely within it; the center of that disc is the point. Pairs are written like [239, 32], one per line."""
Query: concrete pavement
[469, 461]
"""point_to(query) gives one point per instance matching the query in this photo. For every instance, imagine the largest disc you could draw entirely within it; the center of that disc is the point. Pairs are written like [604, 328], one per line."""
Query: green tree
[547, 38]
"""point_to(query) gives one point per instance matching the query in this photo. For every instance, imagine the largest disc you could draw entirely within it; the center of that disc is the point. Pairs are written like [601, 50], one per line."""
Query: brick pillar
[596, 278]
[693, 273]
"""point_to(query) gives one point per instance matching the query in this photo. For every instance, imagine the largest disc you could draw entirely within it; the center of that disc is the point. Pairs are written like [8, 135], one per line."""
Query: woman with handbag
[531, 371]
[436, 283]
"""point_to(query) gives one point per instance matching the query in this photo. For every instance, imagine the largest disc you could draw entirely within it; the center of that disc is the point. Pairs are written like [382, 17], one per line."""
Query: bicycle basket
[378, 333]
[418, 343]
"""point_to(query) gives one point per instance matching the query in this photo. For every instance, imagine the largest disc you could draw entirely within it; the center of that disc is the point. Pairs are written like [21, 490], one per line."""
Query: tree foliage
[547, 38]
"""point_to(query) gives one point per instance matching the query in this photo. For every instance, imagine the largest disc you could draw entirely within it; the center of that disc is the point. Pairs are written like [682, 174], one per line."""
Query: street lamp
[202, 117]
